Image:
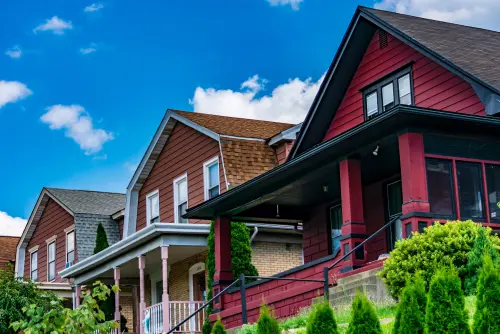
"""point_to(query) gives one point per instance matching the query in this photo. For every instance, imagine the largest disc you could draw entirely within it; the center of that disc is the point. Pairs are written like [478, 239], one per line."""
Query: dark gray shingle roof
[89, 202]
[474, 50]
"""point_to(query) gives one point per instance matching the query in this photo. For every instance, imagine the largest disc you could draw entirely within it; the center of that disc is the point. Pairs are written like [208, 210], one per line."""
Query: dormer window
[387, 93]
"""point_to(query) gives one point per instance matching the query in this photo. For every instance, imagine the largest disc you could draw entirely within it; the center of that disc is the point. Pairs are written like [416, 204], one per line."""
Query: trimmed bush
[101, 240]
[218, 327]
[207, 327]
[445, 312]
[321, 320]
[267, 323]
[364, 320]
[211, 271]
[241, 252]
[487, 316]
[482, 246]
[439, 246]
[410, 314]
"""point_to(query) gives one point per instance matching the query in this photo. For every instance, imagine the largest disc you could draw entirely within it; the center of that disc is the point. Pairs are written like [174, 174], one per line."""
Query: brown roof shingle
[234, 126]
[8, 247]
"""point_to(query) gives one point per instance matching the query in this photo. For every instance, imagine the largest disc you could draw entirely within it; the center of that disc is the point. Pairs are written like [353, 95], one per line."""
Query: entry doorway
[197, 291]
[394, 195]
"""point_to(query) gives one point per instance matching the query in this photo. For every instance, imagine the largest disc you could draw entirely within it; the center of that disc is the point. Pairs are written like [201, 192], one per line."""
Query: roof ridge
[83, 190]
[425, 18]
[232, 117]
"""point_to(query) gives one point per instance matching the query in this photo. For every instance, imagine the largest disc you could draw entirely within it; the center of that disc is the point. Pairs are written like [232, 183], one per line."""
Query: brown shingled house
[8, 252]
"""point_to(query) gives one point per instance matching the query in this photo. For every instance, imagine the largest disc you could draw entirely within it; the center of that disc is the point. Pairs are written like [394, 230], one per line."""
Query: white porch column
[165, 301]
[142, 303]
[117, 299]
[78, 293]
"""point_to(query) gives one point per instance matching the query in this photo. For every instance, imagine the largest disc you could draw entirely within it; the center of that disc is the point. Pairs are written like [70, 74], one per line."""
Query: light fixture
[325, 188]
[277, 211]
[375, 151]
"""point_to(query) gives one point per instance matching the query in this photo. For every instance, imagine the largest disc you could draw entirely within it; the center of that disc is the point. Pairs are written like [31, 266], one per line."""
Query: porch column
[413, 177]
[353, 225]
[78, 293]
[223, 273]
[117, 298]
[165, 301]
[142, 303]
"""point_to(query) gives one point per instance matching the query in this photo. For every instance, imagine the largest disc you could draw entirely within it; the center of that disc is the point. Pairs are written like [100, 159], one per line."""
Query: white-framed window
[180, 198]
[211, 178]
[51, 261]
[70, 248]
[34, 265]
[153, 207]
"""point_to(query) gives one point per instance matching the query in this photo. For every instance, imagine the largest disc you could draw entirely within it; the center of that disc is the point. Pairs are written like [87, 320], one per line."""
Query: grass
[342, 316]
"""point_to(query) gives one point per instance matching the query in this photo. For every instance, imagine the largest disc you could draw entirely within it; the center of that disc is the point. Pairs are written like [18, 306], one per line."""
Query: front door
[394, 207]
[159, 291]
[199, 295]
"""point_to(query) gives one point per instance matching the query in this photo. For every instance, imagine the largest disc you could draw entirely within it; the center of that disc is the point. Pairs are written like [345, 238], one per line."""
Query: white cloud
[288, 102]
[78, 126]
[93, 7]
[478, 13]
[14, 52]
[12, 91]
[90, 49]
[54, 24]
[293, 3]
[11, 226]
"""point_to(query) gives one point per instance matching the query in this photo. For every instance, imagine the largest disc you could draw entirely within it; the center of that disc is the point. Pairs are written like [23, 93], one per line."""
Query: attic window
[382, 38]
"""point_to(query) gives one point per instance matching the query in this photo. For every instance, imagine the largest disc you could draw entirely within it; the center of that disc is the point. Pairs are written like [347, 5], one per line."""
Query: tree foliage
[482, 245]
[267, 323]
[241, 252]
[101, 240]
[87, 318]
[439, 246]
[364, 320]
[16, 295]
[445, 312]
[218, 327]
[321, 320]
[410, 314]
[487, 315]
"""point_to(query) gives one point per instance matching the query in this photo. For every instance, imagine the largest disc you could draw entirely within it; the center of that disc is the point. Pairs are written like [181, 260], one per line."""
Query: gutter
[255, 231]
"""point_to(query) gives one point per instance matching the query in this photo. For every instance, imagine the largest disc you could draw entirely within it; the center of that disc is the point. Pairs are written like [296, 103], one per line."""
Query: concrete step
[358, 276]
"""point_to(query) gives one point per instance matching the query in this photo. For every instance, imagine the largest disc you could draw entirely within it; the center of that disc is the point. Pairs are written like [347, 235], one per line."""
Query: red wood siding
[54, 221]
[120, 226]
[282, 150]
[315, 234]
[434, 86]
[374, 211]
[185, 152]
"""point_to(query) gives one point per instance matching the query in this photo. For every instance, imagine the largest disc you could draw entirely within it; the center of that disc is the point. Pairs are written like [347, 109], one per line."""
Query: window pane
[34, 261]
[404, 89]
[70, 239]
[182, 191]
[371, 104]
[421, 227]
[346, 249]
[493, 184]
[213, 175]
[408, 230]
[394, 198]
[71, 256]
[336, 225]
[388, 96]
[154, 205]
[440, 187]
[470, 190]
[182, 210]
[213, 192]
[52, 252]
[34, 275]
[52, 271]
[359, 253]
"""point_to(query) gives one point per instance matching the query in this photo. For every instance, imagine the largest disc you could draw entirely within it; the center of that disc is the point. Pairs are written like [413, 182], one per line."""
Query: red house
[404, 129]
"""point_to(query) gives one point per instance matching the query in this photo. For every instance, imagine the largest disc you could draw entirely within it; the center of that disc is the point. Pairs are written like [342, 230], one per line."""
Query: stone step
[358, 276]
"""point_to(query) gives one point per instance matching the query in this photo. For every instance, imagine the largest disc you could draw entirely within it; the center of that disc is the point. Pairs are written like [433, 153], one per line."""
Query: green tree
[321, 320]
[267, 323]
[364, 320]
[482, 246]
[445, 312]
[15, 295]
[241, 252]
[487, 315]
[207, 326]
[410, 314]
[87, 318]
[218, 327]
[424, 253]
[101, 240]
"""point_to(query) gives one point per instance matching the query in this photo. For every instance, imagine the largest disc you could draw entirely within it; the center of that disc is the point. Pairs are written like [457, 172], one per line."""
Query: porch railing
[156, 318]
[179, 310]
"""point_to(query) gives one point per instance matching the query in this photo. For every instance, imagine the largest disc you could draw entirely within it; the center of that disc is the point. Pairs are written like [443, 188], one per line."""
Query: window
[51, 258]
[421, 227]
[180, 199]
[346, 249]
[70, 248]
[470, 190]
[387, 93]
[336, 227]
[394, 208]
[211, 178]
[34, 266]
[493, 184]
[153, 207]
[408, 230]
[439, 184]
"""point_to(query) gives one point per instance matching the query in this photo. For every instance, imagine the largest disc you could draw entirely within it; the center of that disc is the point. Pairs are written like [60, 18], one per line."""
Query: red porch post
[117, 298]
[413, 177]
[142, 303]
[353, 226]
[165, 301]
[223, 273]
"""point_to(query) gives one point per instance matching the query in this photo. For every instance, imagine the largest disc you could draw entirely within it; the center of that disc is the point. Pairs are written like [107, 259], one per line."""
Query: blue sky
[84, 85]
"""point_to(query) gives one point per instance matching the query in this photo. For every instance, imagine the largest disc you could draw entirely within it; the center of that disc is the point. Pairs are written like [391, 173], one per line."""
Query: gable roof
[8, 248]
[465, 51]
[89, 202]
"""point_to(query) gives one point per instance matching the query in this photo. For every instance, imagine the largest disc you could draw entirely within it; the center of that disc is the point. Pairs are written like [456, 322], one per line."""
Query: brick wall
[271, 258]
[179, 276]
[127, 310]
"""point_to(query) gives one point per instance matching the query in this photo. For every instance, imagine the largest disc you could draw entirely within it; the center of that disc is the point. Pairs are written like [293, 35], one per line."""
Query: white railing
[155, 318]
[180, 310]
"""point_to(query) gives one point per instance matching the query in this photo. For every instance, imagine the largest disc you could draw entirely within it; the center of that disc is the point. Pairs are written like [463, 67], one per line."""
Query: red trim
[455, 188]
[447, 157]
[486, 197]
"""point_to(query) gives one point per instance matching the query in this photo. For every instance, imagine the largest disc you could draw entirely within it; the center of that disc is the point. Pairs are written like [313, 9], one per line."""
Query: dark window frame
[452, 185]
[32, 270]
[330, 241]
[389, 231]
[495, 220]
[377, 87]
[482, 190]
[49, 278]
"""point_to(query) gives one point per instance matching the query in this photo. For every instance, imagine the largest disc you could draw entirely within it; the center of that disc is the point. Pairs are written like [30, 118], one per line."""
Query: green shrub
[247, 329]
[241, 252]
[101, 240]
[482, 246]
[487, 316]
[424, 253]
[210, 269]
[445, 312]
[321, 320]
[364, 320]
[218, 327]
[207, 327]
[410, 314]
[267, 323]
[300, 320]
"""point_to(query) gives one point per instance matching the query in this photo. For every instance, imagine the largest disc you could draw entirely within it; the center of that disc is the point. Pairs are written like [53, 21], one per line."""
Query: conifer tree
[487, 316]
[364, 320]
[321, 320]
[218, 327]
[267, 323]
[101, 241]
[410, 314]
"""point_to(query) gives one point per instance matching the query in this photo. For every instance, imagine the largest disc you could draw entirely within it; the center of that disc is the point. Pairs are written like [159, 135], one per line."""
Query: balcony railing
[179, 310]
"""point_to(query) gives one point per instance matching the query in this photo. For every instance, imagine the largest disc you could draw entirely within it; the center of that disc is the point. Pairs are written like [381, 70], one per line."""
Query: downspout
[254, 234]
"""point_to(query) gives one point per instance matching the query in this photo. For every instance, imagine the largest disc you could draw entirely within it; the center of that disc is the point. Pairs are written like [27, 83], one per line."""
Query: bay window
[470, 190]
[440, 185]
[493, 185]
